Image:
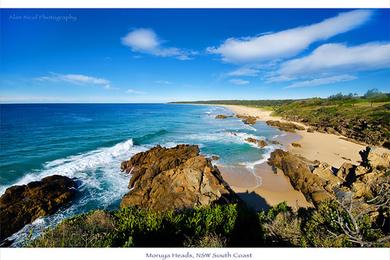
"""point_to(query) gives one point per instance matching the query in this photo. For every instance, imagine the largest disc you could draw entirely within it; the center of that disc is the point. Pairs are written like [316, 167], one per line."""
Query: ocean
[89, 141]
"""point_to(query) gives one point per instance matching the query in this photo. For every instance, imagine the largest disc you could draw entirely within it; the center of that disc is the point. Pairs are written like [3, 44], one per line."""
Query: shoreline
[275, 187]
[323, 147]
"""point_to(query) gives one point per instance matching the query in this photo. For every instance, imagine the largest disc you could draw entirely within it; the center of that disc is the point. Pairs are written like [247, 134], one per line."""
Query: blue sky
[161, 55]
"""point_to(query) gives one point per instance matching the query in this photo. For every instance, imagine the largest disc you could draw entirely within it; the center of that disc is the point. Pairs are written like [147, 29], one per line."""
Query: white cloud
[163, 82]
[285, 44]
[330, 58]
[271, 78]
[146, 41]
[322, 81]
[244, 71]
[77, 79]
[141, 40]
[239, 82]
[252, 70]
[136, 92]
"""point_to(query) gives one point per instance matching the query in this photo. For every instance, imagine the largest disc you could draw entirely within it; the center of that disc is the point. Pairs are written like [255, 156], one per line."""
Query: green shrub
[212, 225]
[85, 230]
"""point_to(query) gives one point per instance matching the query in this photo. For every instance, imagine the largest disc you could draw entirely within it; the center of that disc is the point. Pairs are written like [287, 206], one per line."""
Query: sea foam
[76, 166]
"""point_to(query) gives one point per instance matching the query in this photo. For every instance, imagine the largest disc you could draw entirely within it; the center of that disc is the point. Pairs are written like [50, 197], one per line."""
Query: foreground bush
[329, 225]
[211, 226]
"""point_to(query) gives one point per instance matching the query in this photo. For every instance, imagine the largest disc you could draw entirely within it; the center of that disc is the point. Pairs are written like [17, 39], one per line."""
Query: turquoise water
[88, 142]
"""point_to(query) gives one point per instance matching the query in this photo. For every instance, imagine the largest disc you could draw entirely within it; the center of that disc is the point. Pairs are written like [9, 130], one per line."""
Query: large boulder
[174, 178]
[22, 204]
[300, 176]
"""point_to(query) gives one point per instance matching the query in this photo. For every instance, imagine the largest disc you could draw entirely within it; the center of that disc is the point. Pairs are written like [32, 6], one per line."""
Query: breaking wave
[101, 184]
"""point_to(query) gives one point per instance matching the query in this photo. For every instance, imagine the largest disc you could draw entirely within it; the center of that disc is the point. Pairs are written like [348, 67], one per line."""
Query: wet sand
[260, 187]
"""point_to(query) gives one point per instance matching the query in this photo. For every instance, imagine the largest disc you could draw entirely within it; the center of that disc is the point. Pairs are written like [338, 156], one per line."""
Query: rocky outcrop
[221, 116]
[260, 143]
[372, 173]
[285, 126]
[329, 180]
[310, 130]
[320, 181]
[346, 172]
[296, 145]
[375, 159]
[22, 204]
[156, 160]
[174, 178]
[249, 120]
[328, 130]
[300, 176]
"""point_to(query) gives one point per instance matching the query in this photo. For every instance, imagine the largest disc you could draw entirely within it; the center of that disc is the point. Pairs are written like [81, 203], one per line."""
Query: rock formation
[300, 176]
[221, 116]
[372, 174]
[285, 126]
[258, 142]
[22, 204]
[320, 181]
[310, 130]
[174, 178]
[214, 157]
[346, 172]
[329, 180]
[249, 120]
[375, 159]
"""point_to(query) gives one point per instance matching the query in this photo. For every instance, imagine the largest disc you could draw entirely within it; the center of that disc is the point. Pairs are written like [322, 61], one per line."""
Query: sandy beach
[275, 188]
[323, 147]
[260, 187]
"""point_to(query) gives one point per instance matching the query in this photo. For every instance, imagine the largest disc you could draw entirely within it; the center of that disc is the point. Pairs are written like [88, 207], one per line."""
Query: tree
[374, 95]
[352, 215]
[371, 93]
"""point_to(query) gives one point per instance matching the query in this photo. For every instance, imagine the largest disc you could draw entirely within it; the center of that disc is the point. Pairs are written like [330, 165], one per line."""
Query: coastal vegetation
[132, 226]
[363, 119]
[230, 225]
